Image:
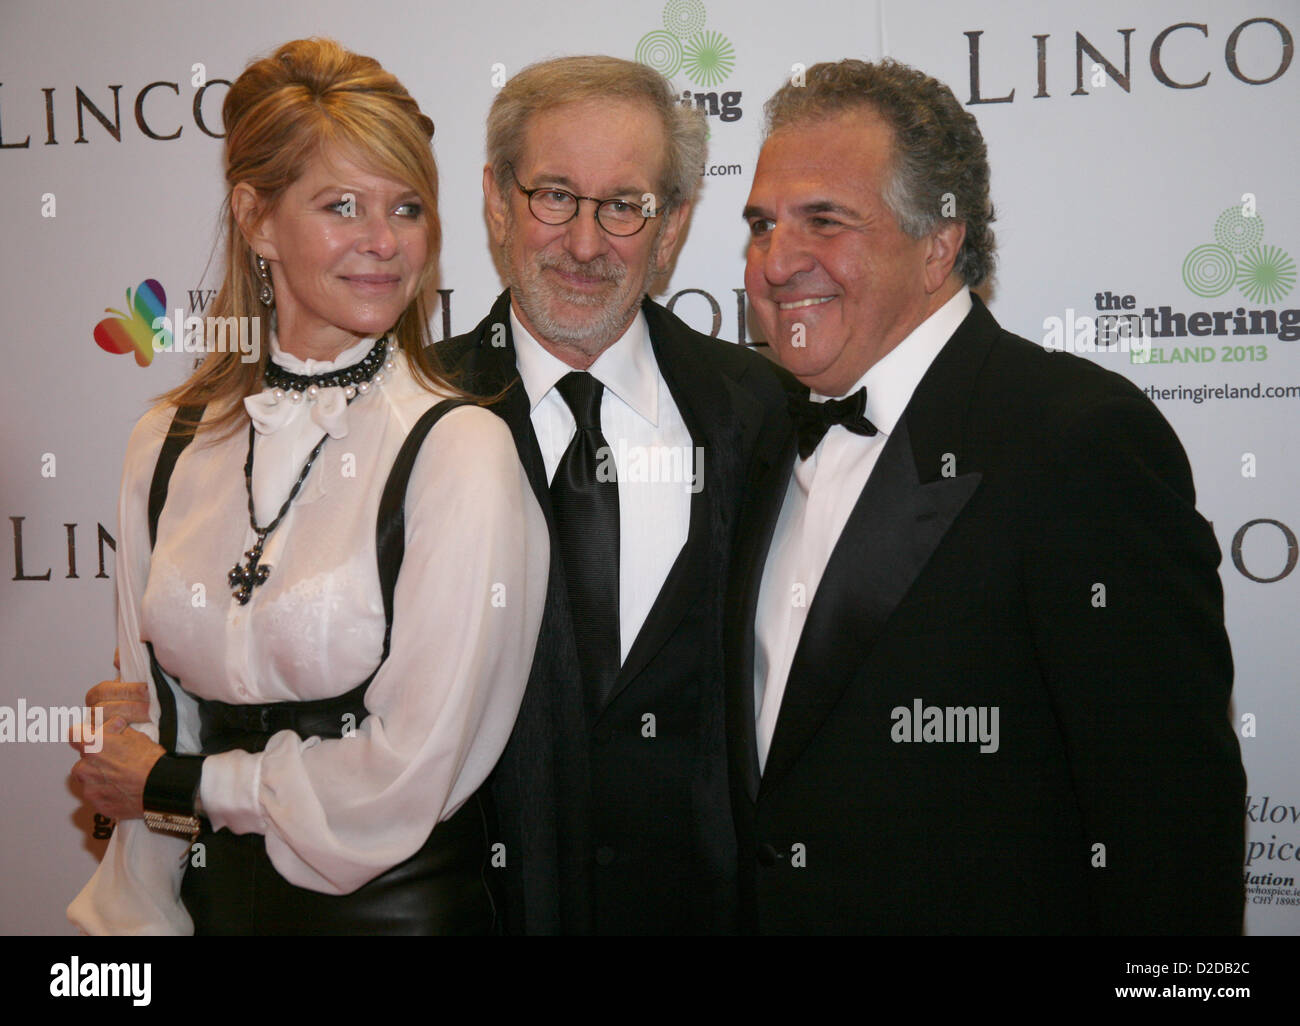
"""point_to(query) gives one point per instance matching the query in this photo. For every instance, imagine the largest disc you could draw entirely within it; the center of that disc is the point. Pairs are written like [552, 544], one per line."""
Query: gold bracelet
[173, 823]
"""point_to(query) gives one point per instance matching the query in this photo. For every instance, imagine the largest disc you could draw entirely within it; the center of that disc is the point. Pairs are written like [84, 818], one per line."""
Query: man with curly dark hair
[978, 676]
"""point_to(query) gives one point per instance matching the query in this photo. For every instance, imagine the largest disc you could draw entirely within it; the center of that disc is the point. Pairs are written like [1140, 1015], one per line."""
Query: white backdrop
[1106, 175]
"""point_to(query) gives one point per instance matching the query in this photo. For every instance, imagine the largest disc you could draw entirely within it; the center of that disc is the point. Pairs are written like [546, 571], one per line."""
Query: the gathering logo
[705, 56]
[133, 331]
[1263, 274]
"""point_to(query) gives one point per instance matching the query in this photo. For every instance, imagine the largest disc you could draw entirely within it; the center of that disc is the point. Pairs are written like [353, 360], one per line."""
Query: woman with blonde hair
[321, 714]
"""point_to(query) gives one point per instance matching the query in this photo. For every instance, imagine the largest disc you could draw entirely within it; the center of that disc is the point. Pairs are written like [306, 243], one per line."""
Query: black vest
[236, 890]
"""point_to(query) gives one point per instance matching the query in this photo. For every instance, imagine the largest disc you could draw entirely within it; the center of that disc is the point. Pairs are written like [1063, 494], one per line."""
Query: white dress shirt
[467, 607]
[645, 431]
[819, 498]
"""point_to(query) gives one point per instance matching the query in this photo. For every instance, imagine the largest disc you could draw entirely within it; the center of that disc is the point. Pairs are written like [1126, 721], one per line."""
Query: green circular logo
[1236, 232]
[661, 51]
[684, 18]
[1265, 274]
[1209, 270]
[708, 58]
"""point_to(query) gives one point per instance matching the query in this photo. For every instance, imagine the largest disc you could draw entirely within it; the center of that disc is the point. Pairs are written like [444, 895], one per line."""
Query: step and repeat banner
[1143, 163]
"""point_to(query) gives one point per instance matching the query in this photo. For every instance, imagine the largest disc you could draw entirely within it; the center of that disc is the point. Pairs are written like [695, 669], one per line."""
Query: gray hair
[939, 153]
[553, 83]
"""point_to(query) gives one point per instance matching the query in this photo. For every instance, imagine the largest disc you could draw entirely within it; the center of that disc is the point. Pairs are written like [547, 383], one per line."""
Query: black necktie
[814, 419]
[584, 495]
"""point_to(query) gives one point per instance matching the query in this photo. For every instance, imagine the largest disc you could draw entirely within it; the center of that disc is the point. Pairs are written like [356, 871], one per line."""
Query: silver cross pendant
[243, 579]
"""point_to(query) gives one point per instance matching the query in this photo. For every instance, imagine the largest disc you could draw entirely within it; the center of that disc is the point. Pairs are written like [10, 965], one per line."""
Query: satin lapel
[514, 410]
[479, 365]
[893, 530]
[771, 477]
[487, 368]
[902, 515]
[722, 419]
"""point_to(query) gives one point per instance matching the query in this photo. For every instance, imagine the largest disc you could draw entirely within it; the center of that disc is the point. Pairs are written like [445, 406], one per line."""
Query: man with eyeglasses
[636, 431]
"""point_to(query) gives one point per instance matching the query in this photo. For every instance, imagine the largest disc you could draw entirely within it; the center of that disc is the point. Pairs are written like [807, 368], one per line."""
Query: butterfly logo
[134, 332]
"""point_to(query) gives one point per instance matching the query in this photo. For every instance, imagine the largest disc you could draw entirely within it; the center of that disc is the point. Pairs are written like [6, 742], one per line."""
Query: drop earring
[266, 294]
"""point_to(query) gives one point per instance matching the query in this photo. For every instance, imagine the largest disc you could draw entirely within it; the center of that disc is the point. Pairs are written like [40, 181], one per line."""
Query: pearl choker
[353, 380]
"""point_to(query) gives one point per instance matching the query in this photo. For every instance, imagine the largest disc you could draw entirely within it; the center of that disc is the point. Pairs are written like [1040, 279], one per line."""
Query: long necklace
[356, 379]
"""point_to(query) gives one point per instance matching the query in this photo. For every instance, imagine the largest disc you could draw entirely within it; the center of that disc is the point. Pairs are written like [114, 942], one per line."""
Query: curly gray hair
[938, 149]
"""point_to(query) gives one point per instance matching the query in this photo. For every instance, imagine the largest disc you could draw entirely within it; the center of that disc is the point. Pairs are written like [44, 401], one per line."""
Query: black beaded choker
[349, 377]
[353, 380]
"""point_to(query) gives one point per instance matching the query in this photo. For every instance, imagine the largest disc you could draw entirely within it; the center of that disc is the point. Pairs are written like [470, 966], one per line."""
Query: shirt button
[604, 855]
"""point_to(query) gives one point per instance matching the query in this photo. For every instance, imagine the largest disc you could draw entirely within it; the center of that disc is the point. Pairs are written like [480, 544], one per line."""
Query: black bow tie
[814, 419]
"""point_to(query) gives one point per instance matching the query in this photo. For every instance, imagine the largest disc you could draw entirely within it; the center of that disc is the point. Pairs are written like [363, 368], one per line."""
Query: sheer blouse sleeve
[136, 889]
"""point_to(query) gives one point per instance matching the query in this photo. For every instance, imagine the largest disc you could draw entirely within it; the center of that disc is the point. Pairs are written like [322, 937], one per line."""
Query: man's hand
[129, 700]
[114, 766]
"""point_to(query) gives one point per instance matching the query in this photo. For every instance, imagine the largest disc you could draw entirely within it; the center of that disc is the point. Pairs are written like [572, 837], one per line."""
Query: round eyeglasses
[555, 206]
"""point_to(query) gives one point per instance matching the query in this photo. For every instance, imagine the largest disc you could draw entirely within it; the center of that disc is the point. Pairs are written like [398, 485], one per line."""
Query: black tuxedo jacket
[1027, 543]
[611, 827]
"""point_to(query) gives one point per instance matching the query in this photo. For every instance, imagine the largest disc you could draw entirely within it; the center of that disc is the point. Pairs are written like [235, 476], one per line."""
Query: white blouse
[467, 607]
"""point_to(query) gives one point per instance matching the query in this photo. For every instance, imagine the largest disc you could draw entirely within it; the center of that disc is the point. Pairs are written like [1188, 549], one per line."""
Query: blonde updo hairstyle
[310, 96]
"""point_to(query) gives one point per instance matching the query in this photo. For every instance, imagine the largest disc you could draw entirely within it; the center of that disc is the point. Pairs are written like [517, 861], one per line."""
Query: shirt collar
[627, 368]
[891, 381]
[328, 411]
[308, 368]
